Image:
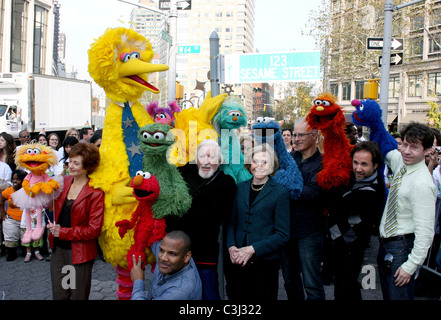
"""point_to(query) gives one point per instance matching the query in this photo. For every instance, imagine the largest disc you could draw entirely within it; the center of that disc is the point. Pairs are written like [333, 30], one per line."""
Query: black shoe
[12, 254]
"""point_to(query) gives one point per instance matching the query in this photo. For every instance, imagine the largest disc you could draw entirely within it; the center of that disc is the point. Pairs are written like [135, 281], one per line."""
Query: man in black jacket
[213, 195]
[304, 253]
[355, 218]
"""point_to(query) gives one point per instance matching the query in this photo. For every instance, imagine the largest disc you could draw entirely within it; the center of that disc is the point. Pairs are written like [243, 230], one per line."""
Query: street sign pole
[171, 79]
[389, 8]
[385, 63]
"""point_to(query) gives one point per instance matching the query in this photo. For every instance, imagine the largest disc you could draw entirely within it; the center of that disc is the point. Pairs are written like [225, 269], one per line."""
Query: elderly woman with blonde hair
[257, 230]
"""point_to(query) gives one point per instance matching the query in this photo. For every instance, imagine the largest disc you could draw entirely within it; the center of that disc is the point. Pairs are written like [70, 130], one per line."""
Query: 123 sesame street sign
[272, 67]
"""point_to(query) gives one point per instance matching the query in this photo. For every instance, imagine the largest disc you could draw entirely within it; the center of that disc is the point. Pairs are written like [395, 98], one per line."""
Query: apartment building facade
[27, 36]
[413, 82]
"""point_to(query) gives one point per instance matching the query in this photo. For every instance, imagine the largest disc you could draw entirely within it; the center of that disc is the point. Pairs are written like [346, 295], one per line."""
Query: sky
[278, 25]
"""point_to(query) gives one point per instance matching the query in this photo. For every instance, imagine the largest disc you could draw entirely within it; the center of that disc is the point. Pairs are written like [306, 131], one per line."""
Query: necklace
[257, 189]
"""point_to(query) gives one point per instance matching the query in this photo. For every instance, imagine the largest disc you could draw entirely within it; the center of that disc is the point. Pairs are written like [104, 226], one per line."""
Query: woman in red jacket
[78, 221]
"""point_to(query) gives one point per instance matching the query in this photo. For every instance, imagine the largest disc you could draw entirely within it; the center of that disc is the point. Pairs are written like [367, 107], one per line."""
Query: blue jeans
[210, 288]
[400, 250]
[304, 256]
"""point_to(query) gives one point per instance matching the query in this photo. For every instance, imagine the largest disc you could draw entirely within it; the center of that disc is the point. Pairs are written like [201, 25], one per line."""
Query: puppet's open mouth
[325, 118]
[144, 83]
[264, 132]
[33, 164]
[356, 116]
[154, 144]
[140, 193]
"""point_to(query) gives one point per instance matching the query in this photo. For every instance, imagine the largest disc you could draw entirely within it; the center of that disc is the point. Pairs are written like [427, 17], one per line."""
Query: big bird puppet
[120, 62]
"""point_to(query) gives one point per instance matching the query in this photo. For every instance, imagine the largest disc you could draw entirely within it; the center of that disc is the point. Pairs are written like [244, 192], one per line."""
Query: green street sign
[189, 49]
[167, 37]
[272, 67]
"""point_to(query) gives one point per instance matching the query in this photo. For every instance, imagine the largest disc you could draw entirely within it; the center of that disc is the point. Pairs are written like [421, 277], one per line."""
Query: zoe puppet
[38, 190]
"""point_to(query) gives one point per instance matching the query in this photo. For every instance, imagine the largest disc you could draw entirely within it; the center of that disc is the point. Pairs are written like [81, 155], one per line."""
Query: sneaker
[28, 257]
[38, 256]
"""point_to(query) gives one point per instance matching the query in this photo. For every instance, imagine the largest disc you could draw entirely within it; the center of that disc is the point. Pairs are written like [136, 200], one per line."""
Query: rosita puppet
[39, 190]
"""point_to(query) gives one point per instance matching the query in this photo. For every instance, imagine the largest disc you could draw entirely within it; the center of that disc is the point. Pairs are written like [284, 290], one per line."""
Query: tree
[297, 101]
[434, 115]
[340, 29]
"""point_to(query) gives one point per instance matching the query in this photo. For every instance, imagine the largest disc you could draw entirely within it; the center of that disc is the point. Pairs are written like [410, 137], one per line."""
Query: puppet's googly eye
[361, 107]
[37, 151]
[326, 103]
[162, 116]
[266, 120]
[29, 151]
[146, 175]
[139, 173]
[318, 102]
[159, 135]
[259, 120]
[134, 55]
[124, 57]
[146, 135]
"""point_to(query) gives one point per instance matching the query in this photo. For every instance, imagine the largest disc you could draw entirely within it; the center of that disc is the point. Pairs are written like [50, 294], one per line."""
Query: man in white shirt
[406, 233]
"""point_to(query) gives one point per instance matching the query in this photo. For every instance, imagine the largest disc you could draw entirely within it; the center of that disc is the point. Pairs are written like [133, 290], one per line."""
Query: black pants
[258, 280]
[347, 261]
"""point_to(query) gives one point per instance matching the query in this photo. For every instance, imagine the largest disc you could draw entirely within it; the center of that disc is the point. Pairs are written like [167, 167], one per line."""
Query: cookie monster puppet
[232, 116]
[288, 175]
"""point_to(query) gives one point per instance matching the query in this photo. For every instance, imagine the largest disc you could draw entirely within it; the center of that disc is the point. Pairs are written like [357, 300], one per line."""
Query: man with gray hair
[213, 195]
[303, 254]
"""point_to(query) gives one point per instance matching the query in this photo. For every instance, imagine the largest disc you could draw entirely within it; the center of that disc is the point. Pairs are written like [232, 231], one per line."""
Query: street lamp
[256, 89]
[172, 17]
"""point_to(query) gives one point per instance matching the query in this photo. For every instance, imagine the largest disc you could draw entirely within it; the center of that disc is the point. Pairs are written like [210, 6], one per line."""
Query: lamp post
[172, 17]
[255, 89]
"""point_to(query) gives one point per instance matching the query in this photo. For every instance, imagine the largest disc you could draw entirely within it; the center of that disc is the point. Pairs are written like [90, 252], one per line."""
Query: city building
[27, 36]
[413, 81]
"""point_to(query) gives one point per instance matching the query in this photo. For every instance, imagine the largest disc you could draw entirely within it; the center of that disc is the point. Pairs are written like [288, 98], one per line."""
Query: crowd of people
[252, 228]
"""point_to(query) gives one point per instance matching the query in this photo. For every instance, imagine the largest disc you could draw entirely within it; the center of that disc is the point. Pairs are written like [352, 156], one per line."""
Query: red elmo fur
[148, 230]
[327, 116]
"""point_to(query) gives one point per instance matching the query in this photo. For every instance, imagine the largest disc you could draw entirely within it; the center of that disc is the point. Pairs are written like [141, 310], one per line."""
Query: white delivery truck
[40, 102]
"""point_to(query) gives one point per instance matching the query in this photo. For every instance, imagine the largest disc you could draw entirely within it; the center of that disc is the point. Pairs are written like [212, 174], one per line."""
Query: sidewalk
[31, 281]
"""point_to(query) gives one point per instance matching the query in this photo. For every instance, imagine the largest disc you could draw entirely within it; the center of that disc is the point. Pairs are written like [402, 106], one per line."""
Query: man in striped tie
[407, 224]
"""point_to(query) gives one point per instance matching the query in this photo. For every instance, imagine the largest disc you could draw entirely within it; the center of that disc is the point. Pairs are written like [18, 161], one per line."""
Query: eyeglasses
[301, 135]
[25, 136]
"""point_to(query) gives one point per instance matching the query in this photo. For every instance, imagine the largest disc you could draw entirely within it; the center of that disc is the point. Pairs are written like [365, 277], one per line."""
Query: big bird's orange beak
[136, 71]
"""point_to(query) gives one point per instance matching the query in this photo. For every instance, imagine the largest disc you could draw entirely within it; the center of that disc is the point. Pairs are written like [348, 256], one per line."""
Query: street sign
[395, 59]
[189, 49]
[377, 44]
[180, 5]
[166, 36]
[272, 67]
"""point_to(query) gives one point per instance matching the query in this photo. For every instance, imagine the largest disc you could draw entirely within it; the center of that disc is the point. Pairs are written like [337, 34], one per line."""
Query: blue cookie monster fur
[368, 113]
[231, 116]
[288, 174]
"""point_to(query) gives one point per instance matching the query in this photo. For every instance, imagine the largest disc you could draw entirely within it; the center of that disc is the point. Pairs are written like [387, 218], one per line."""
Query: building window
[334, 89]
[415, 86]
[18, 35]
[434, 84]
[346, 87]
[40, 32]
[359, 87]
[435, 17]
[394, 87]
[416, 46]
[435, 43]
[417, 21]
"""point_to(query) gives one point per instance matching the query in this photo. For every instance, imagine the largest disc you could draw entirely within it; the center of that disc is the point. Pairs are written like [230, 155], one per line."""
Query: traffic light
[179, 91]
[370, 89]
